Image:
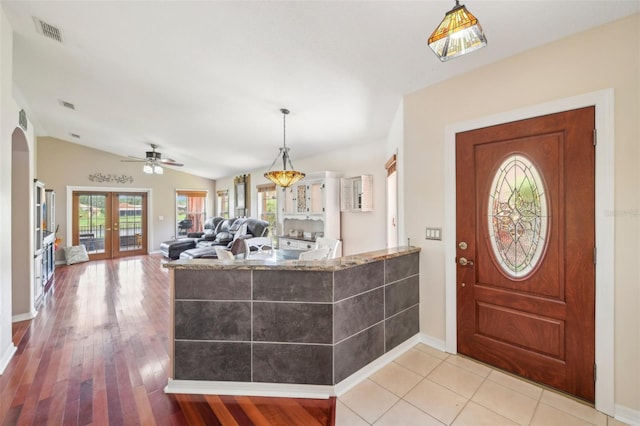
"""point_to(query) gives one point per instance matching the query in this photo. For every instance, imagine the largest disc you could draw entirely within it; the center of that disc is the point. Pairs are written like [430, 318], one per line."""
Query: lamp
[459, 33]
[284, 177]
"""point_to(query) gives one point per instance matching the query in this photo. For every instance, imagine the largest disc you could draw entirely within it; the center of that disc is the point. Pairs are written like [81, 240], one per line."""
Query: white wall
[606, 57]
[6, 112]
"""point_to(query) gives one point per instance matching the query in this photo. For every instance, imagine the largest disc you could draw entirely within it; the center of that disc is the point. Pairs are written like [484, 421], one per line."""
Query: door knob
[463, 261]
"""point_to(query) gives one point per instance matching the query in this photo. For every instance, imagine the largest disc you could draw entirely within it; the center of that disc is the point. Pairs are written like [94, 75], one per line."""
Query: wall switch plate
[433, 234]
[160, 218]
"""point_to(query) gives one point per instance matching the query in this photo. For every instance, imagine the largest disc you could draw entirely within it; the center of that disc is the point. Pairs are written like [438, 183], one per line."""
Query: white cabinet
[44, 244]
[38, 215]
[356, 194]
[306, 199]
[38, 283]
[295, 244]
[311, 206]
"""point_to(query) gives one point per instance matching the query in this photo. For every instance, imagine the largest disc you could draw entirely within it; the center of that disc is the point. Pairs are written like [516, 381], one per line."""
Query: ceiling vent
[48, 30]
[67, 104]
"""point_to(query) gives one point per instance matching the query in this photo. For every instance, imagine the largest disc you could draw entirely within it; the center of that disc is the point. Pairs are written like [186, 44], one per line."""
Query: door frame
[604, 223]
[69, 208]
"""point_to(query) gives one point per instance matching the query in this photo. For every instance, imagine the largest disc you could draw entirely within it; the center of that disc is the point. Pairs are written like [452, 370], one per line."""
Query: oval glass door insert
[517, 216]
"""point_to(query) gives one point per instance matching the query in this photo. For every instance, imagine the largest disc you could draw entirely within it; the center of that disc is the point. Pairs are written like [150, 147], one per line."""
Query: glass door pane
[130, 223]
[90, 211]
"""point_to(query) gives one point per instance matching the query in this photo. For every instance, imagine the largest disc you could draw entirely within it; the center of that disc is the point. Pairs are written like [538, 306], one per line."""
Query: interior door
[110, 224]
[525, 248]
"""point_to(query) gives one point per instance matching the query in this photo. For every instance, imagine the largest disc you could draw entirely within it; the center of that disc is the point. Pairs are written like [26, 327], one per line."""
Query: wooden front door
[525, 248]
[110, 224]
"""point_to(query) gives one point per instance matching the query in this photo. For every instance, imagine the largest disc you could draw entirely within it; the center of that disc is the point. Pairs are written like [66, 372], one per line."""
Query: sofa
[218, 231]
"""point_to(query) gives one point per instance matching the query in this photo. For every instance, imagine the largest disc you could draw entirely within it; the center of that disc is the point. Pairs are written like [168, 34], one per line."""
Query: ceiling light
[151, 167]
[284, 177]
[458, 33]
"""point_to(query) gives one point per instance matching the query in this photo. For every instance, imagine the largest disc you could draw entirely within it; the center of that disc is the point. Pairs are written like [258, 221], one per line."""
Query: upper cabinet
[314, 198]
[39, 214]
[356, 194]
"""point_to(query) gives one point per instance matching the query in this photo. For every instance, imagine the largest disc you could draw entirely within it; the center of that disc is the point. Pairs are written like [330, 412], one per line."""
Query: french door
[110, 224]
[525, 248]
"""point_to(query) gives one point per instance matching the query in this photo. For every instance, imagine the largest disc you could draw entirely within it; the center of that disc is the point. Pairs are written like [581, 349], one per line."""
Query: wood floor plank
[98, 353]
[221, 411]
[145, 415]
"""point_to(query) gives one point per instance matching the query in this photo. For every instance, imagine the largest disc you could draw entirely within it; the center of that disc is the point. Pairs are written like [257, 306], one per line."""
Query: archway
[21, 235]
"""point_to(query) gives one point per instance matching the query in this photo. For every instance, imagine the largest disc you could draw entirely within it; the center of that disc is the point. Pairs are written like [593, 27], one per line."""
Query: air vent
[48, 30]
[67, 104]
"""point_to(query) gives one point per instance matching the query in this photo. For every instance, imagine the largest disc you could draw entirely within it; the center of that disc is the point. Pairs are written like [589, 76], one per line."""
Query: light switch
[433, 234]
[160, 218]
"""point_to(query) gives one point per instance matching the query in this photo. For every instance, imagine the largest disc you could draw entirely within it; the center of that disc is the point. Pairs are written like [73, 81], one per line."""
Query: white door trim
[605, 277]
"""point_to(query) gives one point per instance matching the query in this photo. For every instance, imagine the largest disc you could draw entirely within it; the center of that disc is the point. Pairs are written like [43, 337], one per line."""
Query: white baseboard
[24, 317]
[433, 342]
[627, 415]
[6, 357]
[202, 387]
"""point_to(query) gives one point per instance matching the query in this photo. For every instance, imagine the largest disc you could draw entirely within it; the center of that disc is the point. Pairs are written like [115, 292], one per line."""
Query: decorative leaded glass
[517, 216]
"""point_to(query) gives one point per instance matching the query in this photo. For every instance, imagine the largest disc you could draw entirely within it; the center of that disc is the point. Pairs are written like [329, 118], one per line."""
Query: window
[223, 203]
[191, 211]
[267, 203]
[517, 216]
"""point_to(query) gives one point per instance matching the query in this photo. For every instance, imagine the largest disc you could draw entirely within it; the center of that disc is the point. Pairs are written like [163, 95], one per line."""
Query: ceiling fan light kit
[459, 33]
[153, 160]
[284, 177]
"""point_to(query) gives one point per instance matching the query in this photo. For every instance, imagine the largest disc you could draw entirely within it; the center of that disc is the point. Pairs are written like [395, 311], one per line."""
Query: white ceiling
[205, 80]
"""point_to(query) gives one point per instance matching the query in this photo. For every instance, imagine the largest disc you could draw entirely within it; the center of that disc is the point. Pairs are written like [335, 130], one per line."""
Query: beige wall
[62, 164]
[607, 57]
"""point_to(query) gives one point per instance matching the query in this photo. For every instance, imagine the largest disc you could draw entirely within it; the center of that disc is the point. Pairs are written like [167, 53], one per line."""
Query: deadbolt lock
[462, 245]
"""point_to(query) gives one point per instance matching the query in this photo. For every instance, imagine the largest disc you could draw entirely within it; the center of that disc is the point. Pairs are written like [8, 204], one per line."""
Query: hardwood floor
[97, 353]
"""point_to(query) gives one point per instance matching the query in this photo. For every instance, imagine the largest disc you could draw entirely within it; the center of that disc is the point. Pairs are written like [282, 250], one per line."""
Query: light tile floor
[427, 387]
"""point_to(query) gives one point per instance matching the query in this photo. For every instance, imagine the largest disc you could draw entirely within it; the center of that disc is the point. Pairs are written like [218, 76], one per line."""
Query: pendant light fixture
[459, 33]
[284, 177]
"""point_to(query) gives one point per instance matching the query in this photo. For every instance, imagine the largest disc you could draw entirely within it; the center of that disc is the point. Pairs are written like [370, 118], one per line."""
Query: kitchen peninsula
[288, 327]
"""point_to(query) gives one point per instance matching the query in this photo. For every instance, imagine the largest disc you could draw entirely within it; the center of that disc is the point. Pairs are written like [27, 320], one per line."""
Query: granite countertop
[295, 265]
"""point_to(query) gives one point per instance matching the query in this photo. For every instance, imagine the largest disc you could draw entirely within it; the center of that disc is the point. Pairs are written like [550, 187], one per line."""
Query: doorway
[110, 224]
[392, 202]
[525, 248]
[604, 224]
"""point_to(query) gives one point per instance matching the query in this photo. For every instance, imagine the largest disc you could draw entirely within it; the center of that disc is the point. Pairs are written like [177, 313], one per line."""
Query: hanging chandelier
[284, 177]
[459, 33]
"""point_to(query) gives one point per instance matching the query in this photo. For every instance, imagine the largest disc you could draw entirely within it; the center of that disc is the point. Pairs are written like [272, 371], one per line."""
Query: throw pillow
[76, 254]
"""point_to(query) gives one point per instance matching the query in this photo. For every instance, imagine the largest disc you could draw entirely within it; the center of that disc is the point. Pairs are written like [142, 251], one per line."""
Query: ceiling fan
[153, 161]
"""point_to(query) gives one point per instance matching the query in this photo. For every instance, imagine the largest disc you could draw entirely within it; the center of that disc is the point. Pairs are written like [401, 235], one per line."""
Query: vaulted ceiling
[205, 80]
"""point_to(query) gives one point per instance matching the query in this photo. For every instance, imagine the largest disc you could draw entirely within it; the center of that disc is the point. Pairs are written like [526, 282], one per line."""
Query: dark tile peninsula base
[289, 322]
